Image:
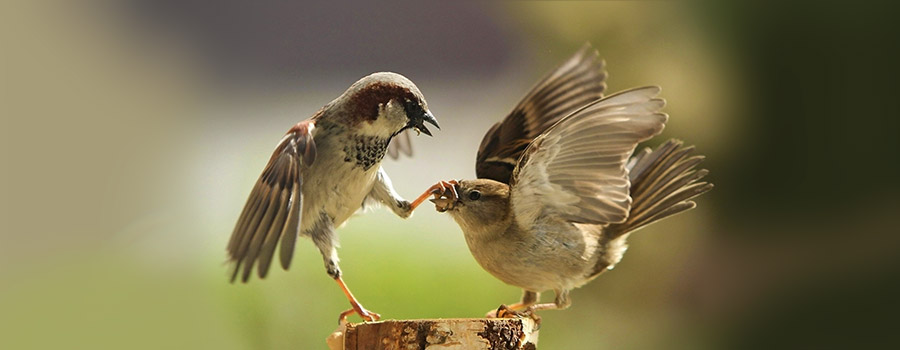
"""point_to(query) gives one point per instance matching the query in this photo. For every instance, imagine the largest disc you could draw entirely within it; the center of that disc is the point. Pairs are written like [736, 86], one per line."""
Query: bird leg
[508, 311]
[442, 188]
[562, 301]
[356, 307]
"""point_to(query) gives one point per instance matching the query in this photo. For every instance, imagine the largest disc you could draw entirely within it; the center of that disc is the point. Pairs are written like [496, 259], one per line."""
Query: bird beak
[443, 204]
[418, 123]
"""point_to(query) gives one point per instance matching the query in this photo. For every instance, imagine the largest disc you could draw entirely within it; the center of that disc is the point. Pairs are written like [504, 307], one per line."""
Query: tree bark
[437, 334]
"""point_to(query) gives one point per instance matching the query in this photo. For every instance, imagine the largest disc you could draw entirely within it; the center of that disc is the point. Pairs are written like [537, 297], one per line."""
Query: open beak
[418, 123]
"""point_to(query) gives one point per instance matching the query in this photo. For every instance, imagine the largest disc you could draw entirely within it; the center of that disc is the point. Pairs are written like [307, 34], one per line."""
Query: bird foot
[356, 307]
[366, 315]
[505, 311]
[445, 195]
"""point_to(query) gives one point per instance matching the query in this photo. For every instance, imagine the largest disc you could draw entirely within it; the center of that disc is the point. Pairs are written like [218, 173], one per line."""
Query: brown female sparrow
[323, 170]
[557, 195]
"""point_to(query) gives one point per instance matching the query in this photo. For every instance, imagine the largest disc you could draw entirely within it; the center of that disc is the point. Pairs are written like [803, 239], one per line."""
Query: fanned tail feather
[663, 182]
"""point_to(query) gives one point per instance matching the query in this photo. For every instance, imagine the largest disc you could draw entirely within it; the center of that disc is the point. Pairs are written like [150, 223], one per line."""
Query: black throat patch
[366, 151]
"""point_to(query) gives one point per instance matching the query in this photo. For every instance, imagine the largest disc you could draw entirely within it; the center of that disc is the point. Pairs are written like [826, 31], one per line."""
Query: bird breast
[342, 176]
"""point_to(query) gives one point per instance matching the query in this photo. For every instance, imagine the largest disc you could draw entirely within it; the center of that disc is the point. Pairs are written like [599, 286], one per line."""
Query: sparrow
[324, 170]
[557, 195]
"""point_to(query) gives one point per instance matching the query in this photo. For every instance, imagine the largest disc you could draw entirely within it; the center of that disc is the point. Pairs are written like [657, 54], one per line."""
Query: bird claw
[505, 311]
[445, 195]
[366, 315]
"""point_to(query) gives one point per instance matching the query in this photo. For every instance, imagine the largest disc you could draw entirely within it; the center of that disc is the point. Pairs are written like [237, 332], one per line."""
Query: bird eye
[474, 195]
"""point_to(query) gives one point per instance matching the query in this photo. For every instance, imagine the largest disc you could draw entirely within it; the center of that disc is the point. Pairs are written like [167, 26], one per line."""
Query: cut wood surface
[437, 334]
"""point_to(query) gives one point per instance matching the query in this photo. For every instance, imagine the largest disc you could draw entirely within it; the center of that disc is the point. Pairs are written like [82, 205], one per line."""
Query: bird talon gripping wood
[505, 312]
[366, 315]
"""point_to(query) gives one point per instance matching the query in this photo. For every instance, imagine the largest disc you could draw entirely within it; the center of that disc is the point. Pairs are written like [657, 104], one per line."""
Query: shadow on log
[437, 334]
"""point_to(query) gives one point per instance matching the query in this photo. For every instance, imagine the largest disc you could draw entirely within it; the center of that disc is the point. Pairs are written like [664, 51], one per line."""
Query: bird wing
[576, 169]
[272, 212]
[578, 81]
[400, 144]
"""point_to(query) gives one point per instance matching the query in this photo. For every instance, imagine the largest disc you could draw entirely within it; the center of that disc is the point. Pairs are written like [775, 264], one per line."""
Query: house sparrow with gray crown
[323, 171]
[557, 195]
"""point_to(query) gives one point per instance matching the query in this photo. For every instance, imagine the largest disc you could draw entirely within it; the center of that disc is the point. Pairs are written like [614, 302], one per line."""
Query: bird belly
[547, 258]
[334, 188]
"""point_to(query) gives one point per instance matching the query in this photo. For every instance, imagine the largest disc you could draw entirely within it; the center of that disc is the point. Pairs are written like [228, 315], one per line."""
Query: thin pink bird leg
[356, 307]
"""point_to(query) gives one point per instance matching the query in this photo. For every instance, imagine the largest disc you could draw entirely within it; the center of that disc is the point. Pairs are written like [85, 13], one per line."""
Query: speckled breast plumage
[365, 151]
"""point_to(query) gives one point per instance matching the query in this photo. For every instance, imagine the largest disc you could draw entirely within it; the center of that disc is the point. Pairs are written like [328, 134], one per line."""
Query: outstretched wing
[576, 169]
[575, 83]
[272, 212]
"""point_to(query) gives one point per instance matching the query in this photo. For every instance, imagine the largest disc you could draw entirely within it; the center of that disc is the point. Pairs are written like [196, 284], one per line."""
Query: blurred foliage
[134, 130]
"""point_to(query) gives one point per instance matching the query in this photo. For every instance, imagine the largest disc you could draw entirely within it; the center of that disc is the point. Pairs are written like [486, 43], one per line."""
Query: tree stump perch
[437, 334]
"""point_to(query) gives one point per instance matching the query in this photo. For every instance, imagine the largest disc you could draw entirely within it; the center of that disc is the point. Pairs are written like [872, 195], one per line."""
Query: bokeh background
[133, 131]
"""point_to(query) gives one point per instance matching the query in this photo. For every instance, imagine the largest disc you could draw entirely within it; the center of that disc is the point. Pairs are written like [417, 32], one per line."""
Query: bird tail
[663, 182]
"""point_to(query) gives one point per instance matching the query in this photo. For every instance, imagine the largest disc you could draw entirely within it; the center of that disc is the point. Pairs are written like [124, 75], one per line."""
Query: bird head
[385, 104]
[476, 205]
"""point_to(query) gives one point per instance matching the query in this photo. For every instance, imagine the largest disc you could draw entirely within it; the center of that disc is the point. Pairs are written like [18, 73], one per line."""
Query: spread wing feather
[578, 81]
[576, 169]
[272, 212]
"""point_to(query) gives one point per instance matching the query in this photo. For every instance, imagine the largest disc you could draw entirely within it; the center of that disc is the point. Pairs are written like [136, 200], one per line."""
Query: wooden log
[437, 334]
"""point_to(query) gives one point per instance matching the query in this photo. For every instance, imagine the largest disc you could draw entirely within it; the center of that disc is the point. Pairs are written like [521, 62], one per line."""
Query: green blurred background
[133, 131]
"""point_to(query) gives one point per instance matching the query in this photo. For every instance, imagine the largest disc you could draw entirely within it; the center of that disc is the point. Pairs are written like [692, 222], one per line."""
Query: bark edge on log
[437, 334]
